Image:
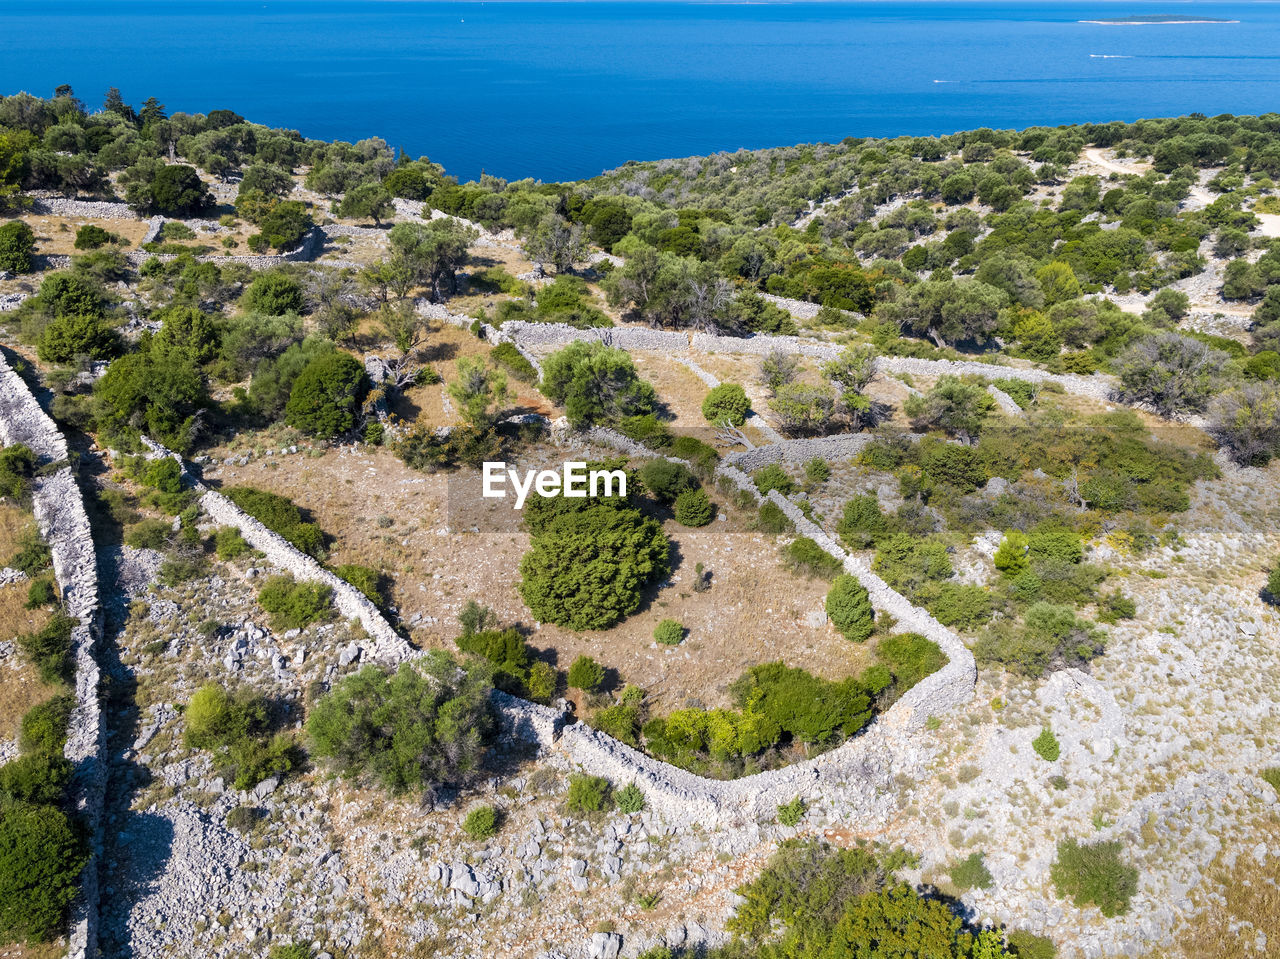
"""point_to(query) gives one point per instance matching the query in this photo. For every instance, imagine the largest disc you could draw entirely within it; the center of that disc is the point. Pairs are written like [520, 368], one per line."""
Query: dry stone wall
[88, 209]
[59, 511]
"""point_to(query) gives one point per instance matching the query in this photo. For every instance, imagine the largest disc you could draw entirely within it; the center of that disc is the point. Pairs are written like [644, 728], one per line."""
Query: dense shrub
[1172, 372]
[907, 563]
[1050, 637]
[971, 873]
[426, 724]
[1095, 875]
[326, 396]
[726, 403]
[772, 520]
[41, 855]
[628, 552]
[17, 469]
[506, 355]
[38, 778]
[961, 605]
[274, 294]
[666, 479]
[910, 657]
[693, 508]
[629, 799]
[17, 246]
[588, 794]
[229, 543]
[41, 593]
[32, 554]
[236, 727]
[280, 515]
[595, 384]
[292, 604]
[49, 648]
[849, 607]
[790, 813]
[863, 523]
[817, 470]
[772, 477]
[90, 237]
[481, 823]
[1046, 745]
[44, 726]
[67, 337]
[669, 632]
[507, 652]
[586, 674]
[370, 581]
[806, 558]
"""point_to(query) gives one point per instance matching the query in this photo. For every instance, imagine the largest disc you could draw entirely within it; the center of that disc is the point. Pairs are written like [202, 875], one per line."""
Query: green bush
[44, 727]
[426, 724]
[666, 480]
[1095, 875]
[243, 818]
[273, 294]
[628, 550]
[41, 593]
[1050, 637]
[1271, 776]
[961, 605]
[621, 721]
[1046, 745]
[32, 554]
[1272, 587]
[817, 470]
[805, 557]
[149, 534]
[481, 823]
[1115, 606]
[507, 356]
[39, 779]
[1011, 558]
[971, 873]
[90, 237]
[280, 515]
[669, 632]
[41, 855]
[586, 674]
[294, 950]
[863, 523]
[67, 337]
[327, 395]
[17, 245]
[229, 543]
[1027, 945]
[508, 653]
[542, 682]
[910, 657]
[588, 794]
[630, 798]
[370, 581]
[726, 402]
[294, 605]
[595, 384]
[17, 469]
[849, 607]
[49, 648]
[790, 813]
[693, 508]
[772, 477]
[772, 520]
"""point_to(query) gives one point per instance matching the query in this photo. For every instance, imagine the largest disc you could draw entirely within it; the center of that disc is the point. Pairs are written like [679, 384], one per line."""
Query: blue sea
[566, 90]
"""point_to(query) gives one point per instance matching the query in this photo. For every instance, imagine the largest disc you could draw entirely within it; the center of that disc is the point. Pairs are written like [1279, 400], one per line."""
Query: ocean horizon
[563, 89]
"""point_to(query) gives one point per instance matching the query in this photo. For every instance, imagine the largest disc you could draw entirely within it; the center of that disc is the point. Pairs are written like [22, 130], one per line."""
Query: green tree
[595, 384]
[693, 508]
[368, 201]
[41, 856]
[67, 337]
[952, 405]
[585, 674]
[947, 311]
[431, 253]
[159, 396]
[726, 402]
[427, 724]
[172, 190]
[589, 567]
[1011, 558]
[1246, 422]
[326, 397]
[849, 607]
[17, 246]
[1174, 373]
[283, 225]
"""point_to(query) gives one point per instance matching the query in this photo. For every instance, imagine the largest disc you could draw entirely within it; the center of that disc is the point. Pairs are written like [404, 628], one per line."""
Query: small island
[1155, 18]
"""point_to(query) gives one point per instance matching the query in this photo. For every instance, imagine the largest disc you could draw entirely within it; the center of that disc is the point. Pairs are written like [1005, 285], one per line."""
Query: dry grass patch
[20, 685]
[56, 235]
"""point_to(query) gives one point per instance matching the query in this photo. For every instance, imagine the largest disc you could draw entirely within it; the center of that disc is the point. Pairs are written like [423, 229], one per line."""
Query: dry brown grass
[20, 685]
[1247, 892]
[14, 521]
[384, 514]
[57, 234]
[41, 950]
